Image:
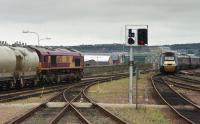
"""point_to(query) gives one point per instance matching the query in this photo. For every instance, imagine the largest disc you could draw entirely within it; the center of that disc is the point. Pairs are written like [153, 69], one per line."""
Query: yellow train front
[168, 62]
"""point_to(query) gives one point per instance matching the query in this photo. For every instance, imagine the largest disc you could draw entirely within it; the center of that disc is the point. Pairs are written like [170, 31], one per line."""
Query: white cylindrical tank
[27, 61]
[7, 62]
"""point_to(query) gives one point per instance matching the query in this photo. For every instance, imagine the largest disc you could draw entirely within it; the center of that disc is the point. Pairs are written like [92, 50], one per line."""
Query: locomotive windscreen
[169, 58]
[77, 62]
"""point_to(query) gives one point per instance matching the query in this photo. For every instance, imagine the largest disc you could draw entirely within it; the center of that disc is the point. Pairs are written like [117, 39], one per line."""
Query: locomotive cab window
[169, 58]
[77, 62]
[53, 60]
[45, 58]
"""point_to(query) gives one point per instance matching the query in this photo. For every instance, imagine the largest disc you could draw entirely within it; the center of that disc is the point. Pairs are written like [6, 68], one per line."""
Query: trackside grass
[117, 92]
[141, 116]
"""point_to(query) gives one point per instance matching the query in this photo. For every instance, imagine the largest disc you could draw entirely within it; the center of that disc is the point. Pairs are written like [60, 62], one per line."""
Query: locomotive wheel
[58, 80]
[77, 76]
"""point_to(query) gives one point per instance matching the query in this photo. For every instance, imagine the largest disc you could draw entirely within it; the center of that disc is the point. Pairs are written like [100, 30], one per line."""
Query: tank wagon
[170, 62]
[30, 65]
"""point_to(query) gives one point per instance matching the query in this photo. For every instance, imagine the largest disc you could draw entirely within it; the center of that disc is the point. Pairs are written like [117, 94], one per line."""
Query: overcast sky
[75, 22]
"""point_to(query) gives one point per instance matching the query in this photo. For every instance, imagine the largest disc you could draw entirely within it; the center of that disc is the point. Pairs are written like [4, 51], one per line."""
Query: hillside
[109, 48]
[104, 48]
[185, 46]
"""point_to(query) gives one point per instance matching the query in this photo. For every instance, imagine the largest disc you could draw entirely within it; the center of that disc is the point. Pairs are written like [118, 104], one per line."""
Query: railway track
[183, 78]
[179, 104]
[190, 72]
[16, 95]
[30, 93]
[183, 84]
[66, 110]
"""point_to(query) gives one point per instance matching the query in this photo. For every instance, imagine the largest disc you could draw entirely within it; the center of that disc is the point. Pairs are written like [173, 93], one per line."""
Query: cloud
[99, 21]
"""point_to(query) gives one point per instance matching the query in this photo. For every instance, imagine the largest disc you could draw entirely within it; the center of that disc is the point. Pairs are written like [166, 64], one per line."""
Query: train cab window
[45, 58]
[53, 60]
[169, 58]
[77, 62]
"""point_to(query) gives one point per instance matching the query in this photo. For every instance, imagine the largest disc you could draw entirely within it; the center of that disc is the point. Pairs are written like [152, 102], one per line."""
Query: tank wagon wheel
[7, 85]
[33, 83]
[12, 84]
[20, 83]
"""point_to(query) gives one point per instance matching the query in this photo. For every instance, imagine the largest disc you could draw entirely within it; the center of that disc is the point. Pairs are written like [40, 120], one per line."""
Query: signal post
[135, 35]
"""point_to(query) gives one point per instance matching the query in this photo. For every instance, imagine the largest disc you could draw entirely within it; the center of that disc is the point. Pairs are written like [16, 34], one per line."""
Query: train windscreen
[169, 58]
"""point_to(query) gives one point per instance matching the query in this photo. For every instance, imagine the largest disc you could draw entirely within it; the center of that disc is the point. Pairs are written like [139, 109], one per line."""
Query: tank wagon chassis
[22, 66]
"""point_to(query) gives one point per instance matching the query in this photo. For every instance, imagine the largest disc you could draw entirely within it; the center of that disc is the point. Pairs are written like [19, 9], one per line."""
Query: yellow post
[42, 92]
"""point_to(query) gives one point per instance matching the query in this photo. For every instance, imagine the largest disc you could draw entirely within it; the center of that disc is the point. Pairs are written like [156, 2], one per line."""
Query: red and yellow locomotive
[56, 65]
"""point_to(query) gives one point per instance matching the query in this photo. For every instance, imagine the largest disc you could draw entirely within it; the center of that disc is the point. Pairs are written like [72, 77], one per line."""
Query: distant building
[91, 60]
[117, 58]
[90, 63]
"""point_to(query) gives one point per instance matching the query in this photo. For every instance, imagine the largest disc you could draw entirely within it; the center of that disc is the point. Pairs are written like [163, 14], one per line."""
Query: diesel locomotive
[171, 62]
[30, 65]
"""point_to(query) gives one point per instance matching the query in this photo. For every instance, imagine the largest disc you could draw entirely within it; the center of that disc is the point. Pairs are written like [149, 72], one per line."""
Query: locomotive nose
[169, 63]
[169, 66]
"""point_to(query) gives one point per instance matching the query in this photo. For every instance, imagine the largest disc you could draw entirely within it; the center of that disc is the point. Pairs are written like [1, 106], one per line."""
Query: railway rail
[183, 78]
[186, 84]
[190, 72]
[15, 95]
[44, 114]
[30, 93]
[182, 106]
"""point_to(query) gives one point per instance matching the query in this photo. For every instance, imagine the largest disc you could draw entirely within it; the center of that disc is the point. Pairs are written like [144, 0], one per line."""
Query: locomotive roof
[49, 51]
[169, 53]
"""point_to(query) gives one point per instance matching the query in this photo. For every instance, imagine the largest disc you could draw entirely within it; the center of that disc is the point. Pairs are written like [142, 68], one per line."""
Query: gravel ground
[95, 116]
[42, 116]
[143, 116]
[7, 113]
[36, 99]
[69, 118]
[191, 77]
[194, 96]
